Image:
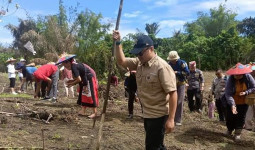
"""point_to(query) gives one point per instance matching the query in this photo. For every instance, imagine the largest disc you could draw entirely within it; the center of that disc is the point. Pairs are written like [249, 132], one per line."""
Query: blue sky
[170, 14]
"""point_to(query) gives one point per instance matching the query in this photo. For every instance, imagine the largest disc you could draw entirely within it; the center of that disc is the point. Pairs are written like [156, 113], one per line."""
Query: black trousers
[197, 94]
[131, 100]
[155, 131]
[12, 82]
[236, 121]
[220, 109]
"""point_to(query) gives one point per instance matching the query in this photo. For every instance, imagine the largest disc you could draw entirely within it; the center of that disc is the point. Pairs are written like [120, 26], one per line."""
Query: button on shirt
[195, 78]
[155, 79]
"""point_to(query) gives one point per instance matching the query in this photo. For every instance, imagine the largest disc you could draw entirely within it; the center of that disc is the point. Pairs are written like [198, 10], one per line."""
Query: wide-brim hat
[10, 60]
[22, 60]
[142, 42]
[239, 69]
[64, 58]
[173, 55]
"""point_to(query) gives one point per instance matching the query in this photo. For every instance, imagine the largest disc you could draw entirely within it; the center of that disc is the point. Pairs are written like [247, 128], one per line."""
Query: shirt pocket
[197, 75]
[152, 81]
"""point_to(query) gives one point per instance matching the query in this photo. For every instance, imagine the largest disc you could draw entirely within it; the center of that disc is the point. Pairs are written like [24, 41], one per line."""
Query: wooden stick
[100, 133]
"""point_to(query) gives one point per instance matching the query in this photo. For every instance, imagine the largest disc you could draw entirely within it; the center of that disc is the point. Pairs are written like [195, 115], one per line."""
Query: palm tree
[152, 29]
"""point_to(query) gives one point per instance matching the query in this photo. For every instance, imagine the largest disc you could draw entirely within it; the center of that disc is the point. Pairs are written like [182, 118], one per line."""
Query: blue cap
[142, 42]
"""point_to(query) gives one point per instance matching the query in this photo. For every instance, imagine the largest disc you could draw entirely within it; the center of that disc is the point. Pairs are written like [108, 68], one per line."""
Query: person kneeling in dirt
[239, 85]
[86, 78]
[50, 74]
[155, 81]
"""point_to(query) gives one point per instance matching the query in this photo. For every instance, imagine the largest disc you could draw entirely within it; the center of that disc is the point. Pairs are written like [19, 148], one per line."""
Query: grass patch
[7, 95]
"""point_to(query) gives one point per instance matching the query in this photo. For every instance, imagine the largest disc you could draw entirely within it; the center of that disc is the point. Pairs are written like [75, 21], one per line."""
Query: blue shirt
[31, 70]
[182, 70]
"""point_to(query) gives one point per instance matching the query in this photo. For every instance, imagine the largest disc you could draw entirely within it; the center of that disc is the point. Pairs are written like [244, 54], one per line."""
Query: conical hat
[64, 57]
[239, 69]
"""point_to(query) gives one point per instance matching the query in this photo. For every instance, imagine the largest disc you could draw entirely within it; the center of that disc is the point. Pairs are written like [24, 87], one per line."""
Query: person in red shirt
[50, 74]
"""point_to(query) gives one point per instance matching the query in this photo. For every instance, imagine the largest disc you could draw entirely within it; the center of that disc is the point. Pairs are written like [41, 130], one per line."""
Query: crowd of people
[232, 93]
[46, 77]
[158, 85]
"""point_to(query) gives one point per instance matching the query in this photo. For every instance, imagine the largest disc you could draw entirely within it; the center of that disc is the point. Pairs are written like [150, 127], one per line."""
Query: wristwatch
[118, 42]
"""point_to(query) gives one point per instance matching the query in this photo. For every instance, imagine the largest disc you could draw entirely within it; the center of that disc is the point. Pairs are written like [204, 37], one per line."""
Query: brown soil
[67, 130]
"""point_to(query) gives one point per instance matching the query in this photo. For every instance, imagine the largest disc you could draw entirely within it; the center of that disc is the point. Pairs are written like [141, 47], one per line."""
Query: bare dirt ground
[22, 128]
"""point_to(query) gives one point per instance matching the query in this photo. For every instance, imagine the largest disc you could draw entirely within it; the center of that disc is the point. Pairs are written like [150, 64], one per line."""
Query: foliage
[215, 39]
[247, 27]
[211, 25]
[152, 29]
[93, 42]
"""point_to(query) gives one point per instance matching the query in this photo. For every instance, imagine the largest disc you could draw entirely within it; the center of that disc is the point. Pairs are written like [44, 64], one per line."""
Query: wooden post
[100, 132]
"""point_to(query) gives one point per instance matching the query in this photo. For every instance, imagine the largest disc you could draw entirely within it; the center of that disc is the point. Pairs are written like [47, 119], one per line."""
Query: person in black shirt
[88, 85]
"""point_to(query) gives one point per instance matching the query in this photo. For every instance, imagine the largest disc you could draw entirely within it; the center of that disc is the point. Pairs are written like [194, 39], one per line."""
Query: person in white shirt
[11, 74]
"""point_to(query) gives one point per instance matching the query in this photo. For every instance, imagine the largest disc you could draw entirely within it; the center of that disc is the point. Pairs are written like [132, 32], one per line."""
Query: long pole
[100, 133]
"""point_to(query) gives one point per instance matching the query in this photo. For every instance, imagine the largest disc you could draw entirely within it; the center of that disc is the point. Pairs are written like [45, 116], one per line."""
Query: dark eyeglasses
[142, 52]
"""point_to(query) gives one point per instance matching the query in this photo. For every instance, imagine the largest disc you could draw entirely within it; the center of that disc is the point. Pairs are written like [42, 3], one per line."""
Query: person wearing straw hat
[11, 74]
[85, 76]
[250, 115]
[156, 88]
[20, 67]
[181, 71]
[239, 85]
[50, 74]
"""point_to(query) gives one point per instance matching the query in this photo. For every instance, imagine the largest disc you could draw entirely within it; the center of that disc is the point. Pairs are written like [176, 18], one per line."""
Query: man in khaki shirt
[155, 81]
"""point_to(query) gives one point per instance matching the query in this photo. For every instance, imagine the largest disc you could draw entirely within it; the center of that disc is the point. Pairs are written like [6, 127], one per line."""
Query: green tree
[17, 32]
[219, 19]
[152, 29]
[93, 45]
[247, 27]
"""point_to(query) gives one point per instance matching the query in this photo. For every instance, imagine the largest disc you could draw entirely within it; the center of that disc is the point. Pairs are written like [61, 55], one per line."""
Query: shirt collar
[151, 61]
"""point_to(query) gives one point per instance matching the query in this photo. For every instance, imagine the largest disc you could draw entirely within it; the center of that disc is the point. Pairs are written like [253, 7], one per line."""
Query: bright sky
[170, 14]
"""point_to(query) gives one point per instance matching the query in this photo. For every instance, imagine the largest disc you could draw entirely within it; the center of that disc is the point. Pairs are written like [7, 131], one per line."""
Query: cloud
[206, 5]
[145, 0]
[240, 7]
[165, 2]
[6, 41]
[133, 14]
[124, 30]
[167, 27]
[171, 23]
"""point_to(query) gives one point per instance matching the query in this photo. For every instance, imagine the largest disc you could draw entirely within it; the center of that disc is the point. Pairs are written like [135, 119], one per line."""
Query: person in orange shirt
[239, 84]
